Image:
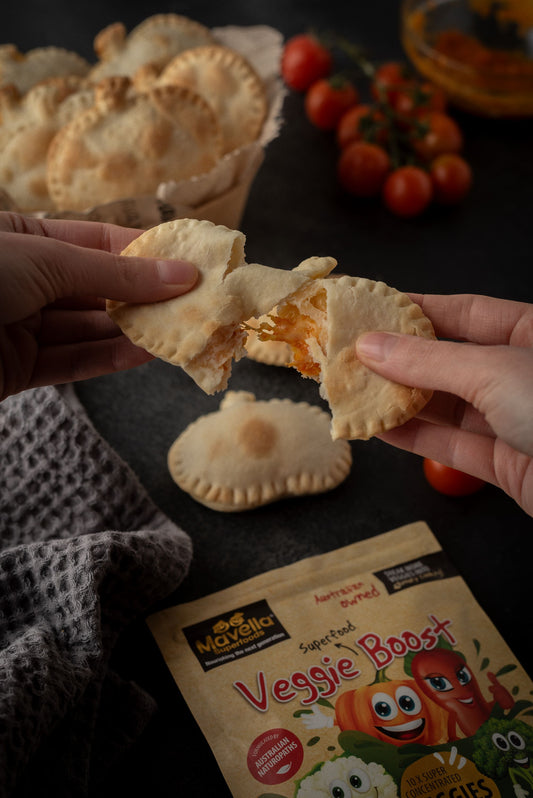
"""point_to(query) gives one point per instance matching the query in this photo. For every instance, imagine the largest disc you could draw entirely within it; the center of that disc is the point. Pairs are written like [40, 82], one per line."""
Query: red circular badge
[275, 756]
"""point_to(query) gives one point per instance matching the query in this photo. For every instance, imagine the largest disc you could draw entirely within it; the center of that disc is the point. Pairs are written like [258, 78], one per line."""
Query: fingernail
[376, 346]
[177, 272]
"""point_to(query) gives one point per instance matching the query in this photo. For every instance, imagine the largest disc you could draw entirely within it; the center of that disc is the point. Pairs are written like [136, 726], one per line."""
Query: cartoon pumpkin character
[393, 711]
[444, 676]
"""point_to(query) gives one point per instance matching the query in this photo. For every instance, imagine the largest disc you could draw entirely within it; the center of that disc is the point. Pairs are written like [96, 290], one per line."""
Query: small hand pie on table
[203, 330]
[250, 453]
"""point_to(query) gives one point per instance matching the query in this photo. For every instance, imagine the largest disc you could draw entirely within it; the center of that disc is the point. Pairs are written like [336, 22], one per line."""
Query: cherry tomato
[349, 127]
[327, 100]
[407, 191]
[450, 481]
[362, 168]
[304, 60]
[444, 135]
[388, 79]
[451, 176]
[418, 98]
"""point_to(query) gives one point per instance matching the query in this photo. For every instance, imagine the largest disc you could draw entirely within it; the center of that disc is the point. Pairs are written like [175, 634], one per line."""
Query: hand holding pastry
[53, 277]
[479, 419]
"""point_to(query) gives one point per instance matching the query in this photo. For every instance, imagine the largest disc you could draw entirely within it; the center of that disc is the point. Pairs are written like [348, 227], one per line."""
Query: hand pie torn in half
[320, 319]
[249, 453]
[202, 331]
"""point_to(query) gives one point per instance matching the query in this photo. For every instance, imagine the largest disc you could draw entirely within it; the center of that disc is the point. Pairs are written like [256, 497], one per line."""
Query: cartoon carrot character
[444, 676]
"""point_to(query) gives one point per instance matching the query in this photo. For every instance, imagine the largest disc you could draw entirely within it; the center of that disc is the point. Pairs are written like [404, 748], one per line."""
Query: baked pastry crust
[154, 41]
[319, 316]
[127, 143]
[250, 453]
[336, 311]
[28, 123]
[24, 70]
[229, 84]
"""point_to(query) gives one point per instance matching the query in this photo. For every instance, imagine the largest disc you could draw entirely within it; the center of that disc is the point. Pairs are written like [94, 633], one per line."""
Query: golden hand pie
[203, 331]
[249, 453]
[229, 84]
[322, 322]
[28, 123]
[154, 41]
[127, 143]
[24, 70]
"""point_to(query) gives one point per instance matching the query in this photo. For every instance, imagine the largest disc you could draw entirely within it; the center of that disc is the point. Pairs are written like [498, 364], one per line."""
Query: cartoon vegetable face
[395, 712]
[503, 745]
[444, 676]
[348, 777]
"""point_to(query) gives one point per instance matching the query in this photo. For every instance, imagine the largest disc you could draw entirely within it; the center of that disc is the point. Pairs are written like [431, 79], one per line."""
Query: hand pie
[249, 453]
[24, 70]
[28, 123]
[127, 143]
[203, 330]
[154, 41]
[230, 85]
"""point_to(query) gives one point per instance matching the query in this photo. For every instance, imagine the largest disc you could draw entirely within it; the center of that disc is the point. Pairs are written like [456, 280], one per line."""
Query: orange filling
[295, 328]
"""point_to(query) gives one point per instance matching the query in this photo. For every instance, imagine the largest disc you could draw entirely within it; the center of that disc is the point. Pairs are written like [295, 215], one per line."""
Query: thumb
[496, 380]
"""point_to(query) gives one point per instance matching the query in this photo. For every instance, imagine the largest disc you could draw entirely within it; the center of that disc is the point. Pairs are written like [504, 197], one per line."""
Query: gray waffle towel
[83, 553]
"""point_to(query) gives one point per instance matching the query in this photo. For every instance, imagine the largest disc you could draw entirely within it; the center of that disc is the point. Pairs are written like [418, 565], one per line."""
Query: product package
[369, 671]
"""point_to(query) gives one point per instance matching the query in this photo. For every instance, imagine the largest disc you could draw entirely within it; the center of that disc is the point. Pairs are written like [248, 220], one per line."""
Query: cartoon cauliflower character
[505, 746]
[348, 777]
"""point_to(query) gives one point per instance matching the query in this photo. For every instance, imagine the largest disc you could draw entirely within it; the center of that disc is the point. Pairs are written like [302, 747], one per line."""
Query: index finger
[472, 317]
[91, 235]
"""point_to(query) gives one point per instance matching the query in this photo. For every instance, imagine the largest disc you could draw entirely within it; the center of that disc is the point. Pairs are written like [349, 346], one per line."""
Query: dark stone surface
[296, 209]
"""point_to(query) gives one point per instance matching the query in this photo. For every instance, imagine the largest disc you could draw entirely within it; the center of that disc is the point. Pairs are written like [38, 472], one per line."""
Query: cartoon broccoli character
[503, 746]
[347, 777]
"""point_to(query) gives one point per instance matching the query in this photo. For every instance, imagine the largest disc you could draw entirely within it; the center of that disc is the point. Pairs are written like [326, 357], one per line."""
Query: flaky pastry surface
[249, 453]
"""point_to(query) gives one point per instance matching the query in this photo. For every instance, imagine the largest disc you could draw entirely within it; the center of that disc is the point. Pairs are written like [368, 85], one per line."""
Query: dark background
[295, 210]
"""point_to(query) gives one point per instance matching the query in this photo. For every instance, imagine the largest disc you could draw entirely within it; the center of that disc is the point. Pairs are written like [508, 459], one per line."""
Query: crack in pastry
[249, 453]
[317, 315]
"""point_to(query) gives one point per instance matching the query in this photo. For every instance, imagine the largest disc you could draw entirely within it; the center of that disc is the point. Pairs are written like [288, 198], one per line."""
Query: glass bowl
[480, 52]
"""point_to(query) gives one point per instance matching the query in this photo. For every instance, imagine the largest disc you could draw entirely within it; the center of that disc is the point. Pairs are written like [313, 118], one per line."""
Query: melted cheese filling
[298, 329]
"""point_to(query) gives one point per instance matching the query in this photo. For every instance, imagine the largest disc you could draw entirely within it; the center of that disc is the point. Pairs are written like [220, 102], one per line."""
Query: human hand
[480, 419]
[54, 278]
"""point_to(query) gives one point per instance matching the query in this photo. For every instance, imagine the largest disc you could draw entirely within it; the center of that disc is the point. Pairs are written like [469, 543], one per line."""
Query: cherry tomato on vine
[327, 100]
[350, 128]
[451, 176]
[388, 79]
[443, 135]
[418, 98]
[362, 168]
[449, 481]
[407, 191]
[304, 60]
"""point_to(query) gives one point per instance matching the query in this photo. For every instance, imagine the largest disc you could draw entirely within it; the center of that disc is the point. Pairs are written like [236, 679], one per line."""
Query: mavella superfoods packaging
[366, 672]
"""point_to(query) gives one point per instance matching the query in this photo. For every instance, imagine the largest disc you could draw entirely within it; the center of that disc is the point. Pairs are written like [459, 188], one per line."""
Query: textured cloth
[83, 553]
